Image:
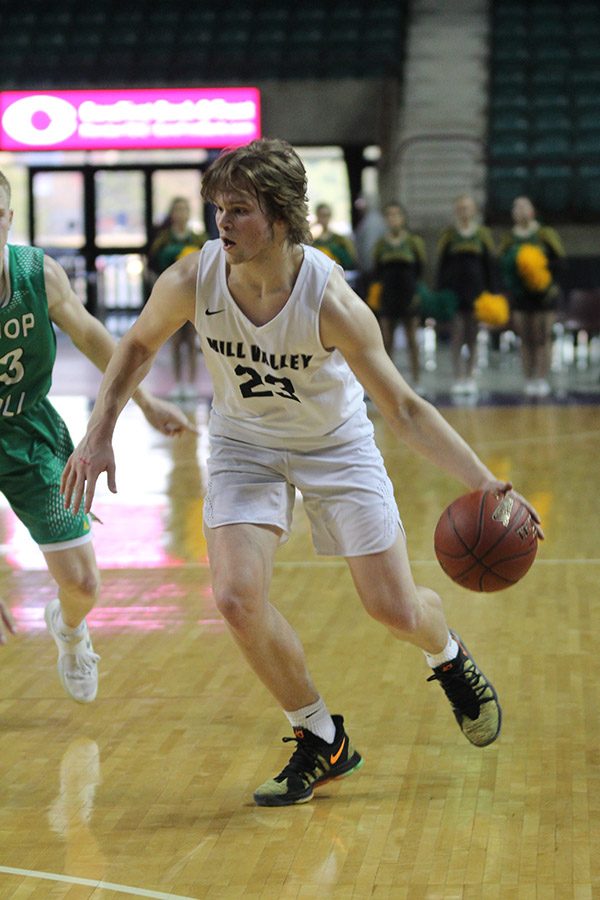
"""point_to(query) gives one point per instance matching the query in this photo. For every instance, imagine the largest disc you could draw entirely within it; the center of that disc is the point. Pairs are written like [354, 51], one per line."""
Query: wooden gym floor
[148, 791]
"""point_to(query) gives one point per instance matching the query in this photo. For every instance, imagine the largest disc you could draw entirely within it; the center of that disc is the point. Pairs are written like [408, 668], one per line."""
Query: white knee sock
[449, 653]
[315, 718]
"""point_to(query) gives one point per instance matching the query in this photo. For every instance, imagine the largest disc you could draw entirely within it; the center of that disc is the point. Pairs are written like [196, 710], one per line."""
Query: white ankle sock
[315, 718]
[67, 631]
[449, 653]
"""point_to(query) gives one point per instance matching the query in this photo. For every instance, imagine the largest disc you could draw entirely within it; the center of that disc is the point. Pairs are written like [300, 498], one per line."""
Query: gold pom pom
[189, 248]
[373, 297]
[491, 309]
[532, 266]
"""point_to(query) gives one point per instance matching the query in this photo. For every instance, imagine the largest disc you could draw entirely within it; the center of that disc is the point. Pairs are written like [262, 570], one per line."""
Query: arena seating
[137, 42]
[544, 109]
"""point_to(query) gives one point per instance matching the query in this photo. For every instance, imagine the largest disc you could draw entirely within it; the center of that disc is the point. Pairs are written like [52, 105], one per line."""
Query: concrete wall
[348, 111]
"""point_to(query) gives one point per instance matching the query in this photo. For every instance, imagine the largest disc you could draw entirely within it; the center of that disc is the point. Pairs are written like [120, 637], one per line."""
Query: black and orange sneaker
[473, 698]
[312, 763]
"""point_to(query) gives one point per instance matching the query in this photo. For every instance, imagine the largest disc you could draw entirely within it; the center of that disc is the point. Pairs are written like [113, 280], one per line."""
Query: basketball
[485, 541]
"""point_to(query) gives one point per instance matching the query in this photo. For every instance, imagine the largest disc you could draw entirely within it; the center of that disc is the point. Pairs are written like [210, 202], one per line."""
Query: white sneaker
[77, 662]
[470, 387]
[531, 388]
[458, 387]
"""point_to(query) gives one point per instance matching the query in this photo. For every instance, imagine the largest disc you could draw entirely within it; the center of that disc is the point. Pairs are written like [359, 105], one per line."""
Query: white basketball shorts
[347, 494]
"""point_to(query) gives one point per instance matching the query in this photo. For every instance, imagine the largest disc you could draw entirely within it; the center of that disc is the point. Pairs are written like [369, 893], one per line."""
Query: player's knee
[400, 614]
[405, 619]
[237, 606]
[83, 584]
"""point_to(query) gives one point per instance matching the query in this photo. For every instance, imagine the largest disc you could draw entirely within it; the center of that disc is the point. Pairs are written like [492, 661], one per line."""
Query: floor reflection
[70, 814]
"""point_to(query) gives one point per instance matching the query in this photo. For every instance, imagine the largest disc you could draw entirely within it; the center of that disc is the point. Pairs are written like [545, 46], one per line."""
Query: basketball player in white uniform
[291, 350]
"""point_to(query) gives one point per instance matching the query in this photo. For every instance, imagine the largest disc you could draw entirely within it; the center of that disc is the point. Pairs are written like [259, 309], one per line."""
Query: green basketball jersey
[34, 441]
[27, 339]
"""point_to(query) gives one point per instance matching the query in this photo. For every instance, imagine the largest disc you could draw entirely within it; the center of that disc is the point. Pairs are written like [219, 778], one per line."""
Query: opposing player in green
[35, 443]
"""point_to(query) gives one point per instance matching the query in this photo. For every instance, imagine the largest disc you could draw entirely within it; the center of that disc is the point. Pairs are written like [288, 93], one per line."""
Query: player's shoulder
[182, 274]
[339, 300]
[55, 277]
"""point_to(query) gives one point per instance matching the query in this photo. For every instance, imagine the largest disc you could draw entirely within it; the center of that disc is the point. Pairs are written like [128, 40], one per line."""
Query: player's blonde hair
[272, 171]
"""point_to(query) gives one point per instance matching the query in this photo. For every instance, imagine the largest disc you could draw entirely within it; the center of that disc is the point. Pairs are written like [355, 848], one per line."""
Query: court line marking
[341, 563]
[90, 882]
[544, 438]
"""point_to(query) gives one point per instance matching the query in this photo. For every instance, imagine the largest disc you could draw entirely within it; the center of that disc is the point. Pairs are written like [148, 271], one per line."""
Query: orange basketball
[485, 541]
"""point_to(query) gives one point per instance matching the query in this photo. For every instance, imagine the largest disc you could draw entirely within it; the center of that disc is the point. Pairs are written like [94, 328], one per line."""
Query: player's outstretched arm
[171, 303]
[91, 337]
[349, 325]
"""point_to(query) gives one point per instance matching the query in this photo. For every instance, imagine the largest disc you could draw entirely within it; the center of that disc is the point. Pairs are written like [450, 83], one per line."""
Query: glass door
[59, 216]
[121, 237]
[98, 222]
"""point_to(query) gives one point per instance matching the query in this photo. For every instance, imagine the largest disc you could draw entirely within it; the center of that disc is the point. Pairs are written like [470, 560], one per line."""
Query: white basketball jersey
[275, 385]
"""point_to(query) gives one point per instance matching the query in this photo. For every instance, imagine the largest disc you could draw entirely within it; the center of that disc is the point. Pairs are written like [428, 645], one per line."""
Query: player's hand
[166, 417]
[505, 487]
[84, 466]
[6, 623]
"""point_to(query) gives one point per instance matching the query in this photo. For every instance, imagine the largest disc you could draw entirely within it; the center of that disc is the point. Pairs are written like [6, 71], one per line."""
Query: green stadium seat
[271, 14]
[548, 78]
[587, 190]
[557, 121]
[586, 29]
[588, 120]
[345, 13]
[509, 12]
[232, 37]
[312, 37]
[162, 17]
[509, 78]
[551, 52]
[542, 29]
[510, 54]
[391, 11]
[584, 77]
[509, 147]
[507, 99]
[587, 144]
[504, 183]
[505, 30]
[584, 9]
[551, 188]
[511, 123]
[551, 146]
[545, 9]
[586, 99]
[550, 102]
[311, 14]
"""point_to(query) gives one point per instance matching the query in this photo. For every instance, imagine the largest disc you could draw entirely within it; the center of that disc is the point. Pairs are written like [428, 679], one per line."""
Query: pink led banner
[129, 119]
